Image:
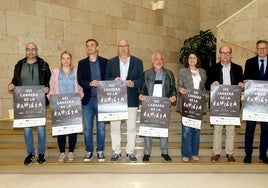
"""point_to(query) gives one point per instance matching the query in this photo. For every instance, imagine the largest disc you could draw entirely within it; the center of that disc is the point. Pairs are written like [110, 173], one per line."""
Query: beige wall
[213, 12]
[243, 30]
[57, 25]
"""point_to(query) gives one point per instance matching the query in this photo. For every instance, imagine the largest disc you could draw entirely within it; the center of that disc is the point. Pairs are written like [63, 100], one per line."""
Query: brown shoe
[215, 158]
[230, 158]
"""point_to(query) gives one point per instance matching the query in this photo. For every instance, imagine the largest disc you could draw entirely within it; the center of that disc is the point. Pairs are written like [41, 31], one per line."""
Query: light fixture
[158, 5]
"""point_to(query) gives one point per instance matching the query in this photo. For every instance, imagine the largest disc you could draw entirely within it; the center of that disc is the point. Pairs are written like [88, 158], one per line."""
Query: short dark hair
[261, 41]
[93, 40]
[198, 64]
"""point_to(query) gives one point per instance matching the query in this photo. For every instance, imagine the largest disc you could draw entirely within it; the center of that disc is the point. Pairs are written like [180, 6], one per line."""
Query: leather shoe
[264, 158]
[146, 158]
[248, 159]
[215, 158]
[230, 158]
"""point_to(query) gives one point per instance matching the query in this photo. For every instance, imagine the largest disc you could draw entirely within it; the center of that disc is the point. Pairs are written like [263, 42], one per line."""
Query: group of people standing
[33, 70]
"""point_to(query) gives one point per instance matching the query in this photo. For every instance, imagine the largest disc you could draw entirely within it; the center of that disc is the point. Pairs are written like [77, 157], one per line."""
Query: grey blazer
[185, 80]
[168, 83]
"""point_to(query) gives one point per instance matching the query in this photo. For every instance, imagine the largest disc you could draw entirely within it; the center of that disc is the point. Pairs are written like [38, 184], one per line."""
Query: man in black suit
[90, 71]
[253, 72]
[224, 72]
[129, 69]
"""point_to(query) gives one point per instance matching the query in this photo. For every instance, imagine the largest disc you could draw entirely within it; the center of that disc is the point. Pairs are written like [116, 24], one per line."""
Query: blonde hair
[71, 57]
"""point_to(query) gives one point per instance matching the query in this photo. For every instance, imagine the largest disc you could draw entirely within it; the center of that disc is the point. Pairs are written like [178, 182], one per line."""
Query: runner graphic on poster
[112, 101]
[256, 101]
[29, 106]
[225, 105]
[193, 104]
[66, 114]
[155, 115]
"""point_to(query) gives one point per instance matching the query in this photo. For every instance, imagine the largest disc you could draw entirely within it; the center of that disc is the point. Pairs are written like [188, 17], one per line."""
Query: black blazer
[84, 76]
[135, 74]
[252, 69]
[215, 74]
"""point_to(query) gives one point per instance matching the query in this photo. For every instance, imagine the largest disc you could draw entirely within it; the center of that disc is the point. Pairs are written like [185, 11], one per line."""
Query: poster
[112, 101]
[29, 106]
[225, 105]
[155, 115]
[66, 114]
[193, 104]
[256, 101]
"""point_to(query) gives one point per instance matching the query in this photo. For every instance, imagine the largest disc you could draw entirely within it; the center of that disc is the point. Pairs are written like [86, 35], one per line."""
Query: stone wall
[243, 30]
[57, 25]
[213, 12]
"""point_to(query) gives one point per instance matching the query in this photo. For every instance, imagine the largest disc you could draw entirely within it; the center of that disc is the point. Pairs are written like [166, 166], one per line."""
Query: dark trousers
[249, 137]
[62, 142]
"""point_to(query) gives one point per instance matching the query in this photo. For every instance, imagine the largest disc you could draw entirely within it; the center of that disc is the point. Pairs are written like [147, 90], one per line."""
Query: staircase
[12, 146]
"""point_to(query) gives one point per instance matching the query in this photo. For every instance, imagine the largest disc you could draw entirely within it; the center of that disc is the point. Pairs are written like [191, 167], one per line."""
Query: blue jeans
[90, 111]
[29, 139]
[249, 137]
[148, 145]
[190, 141]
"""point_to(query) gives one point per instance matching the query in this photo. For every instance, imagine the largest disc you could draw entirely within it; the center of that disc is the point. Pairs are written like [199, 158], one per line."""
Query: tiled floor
[207, 180]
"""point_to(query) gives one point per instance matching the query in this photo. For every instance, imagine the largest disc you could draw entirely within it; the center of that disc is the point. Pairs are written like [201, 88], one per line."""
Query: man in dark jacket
[129, 69]
[31, 71]
[224, 72]
[90, 71]
[253, 71]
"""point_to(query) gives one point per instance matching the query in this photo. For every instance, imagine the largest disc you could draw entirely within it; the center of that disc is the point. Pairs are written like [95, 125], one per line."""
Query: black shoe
[264, 158]
[29, 159]
[146, 158]
[41, 158]
[248, 159]
[166, 157]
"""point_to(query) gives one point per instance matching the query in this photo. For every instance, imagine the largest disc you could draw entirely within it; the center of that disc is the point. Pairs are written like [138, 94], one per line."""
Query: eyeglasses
[225, 53]
[123, 46]
[259, 49]
[30, 49]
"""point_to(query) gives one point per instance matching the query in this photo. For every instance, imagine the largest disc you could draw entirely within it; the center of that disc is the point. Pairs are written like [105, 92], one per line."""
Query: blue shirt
[95, 75]
[66, 83]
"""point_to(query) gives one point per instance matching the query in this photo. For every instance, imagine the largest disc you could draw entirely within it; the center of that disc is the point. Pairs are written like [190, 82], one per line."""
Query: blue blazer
[84, 76]
[135, 74]
[252, 69]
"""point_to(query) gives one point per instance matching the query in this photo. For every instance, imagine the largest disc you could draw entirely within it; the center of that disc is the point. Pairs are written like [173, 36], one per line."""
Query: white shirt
[226, 78]
[124, 68]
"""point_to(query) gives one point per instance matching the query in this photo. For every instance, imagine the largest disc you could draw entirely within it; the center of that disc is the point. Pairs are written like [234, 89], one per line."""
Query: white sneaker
[71, 157]
[61, 157]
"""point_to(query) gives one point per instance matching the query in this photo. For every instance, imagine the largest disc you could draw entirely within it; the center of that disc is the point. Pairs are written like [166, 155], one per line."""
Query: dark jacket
[135, 74]
[252, 69]
[168, 83]
[215, 74]
[84, 76]
[44, 72]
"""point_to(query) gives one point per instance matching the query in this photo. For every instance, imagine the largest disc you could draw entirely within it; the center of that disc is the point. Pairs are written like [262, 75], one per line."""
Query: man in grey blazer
[158, 75]
[129, 69]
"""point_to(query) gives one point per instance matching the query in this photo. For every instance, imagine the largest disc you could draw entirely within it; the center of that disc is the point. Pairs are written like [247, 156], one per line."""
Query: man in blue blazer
[129, 69]
[90, 71]
[253, 72]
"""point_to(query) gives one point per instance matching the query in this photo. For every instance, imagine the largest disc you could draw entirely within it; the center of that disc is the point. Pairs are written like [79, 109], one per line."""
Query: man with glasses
[256, 69]
[31, 71]
[224, 72]
[129, 69]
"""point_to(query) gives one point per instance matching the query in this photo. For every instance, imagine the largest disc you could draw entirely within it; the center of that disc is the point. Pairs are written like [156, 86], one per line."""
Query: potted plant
[204, 44]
